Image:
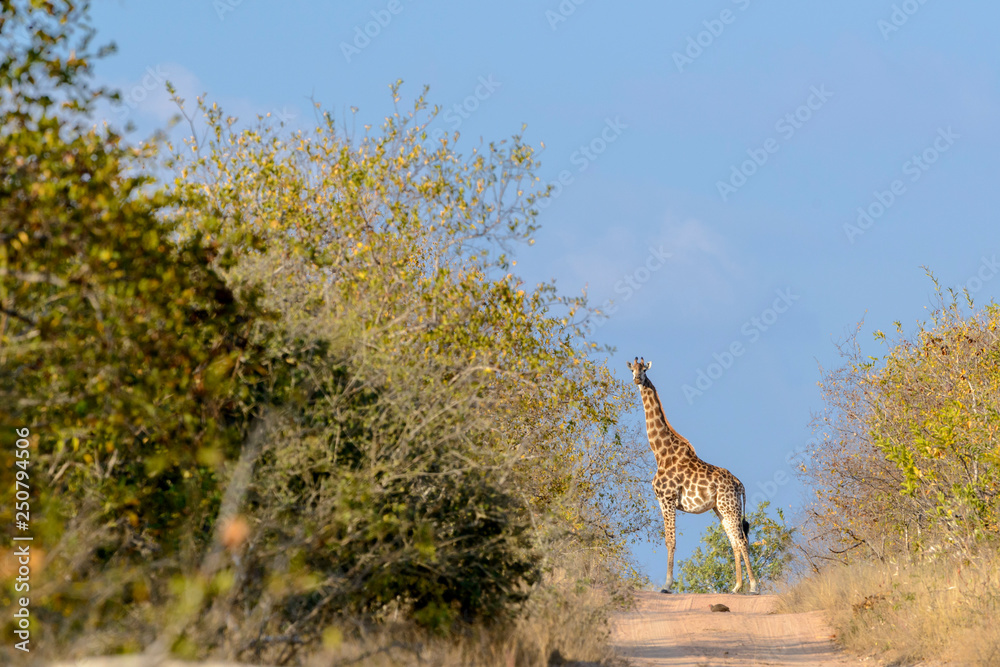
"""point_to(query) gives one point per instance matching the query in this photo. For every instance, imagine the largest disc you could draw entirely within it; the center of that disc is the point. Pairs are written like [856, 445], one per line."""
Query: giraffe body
[684, 482]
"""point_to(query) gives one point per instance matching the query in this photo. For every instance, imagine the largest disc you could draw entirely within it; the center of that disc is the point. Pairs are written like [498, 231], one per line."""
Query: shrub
[909, 459]
[906, 482]
[295, 392]
[710, 568]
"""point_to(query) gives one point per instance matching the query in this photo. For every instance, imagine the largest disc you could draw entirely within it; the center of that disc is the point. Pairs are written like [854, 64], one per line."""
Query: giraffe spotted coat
[686, 483]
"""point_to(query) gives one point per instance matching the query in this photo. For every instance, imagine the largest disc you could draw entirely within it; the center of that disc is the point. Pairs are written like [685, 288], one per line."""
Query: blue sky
[715, 156]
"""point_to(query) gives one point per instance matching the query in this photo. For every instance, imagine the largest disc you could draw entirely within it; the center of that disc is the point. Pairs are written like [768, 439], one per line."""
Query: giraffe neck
[666, 443]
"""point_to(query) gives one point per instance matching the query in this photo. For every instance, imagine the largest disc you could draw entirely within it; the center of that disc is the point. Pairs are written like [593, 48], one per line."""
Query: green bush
[710, 568]
[294, 392]
[909, 458]
[123, 351]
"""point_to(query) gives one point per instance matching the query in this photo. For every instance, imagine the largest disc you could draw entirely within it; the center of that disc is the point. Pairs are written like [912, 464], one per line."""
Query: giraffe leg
[734, 527]
[670, 537]
[734, 532]
[745, 546]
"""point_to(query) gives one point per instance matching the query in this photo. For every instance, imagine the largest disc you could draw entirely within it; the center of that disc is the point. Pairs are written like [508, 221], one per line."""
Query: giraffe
[686, 483]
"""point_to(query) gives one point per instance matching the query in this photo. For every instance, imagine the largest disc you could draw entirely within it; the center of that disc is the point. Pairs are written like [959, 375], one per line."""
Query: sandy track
[681, 630]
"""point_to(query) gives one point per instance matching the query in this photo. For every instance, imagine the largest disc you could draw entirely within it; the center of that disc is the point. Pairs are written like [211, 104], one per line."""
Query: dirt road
[681, 630]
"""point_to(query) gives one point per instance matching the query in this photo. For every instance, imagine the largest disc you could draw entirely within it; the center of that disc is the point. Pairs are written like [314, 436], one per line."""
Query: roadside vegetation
[903, 532]
[289, 402]
[288, 399]
[710, 568]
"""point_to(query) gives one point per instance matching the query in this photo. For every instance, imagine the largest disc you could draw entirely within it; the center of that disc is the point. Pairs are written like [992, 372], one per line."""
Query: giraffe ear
[649, 364]
[629, 364]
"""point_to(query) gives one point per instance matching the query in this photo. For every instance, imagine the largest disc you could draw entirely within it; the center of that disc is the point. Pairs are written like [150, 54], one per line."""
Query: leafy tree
[710, 568]
[297, 388]
[910, 458]
[438, 409]
[408, 242]
[123, 351]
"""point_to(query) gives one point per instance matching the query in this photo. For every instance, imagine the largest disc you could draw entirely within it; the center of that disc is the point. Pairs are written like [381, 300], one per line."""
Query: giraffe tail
[743, 512]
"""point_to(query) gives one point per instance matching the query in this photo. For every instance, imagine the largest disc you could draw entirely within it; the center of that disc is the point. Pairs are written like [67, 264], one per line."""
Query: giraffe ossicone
[684, 482]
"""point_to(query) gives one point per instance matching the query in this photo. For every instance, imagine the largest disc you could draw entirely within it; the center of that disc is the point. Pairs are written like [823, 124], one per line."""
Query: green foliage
[444, 421]
[912, 453]
[938, 419]
[710, 567]
[368, 498]
[297, 388]
[416, 236]
[124, 352]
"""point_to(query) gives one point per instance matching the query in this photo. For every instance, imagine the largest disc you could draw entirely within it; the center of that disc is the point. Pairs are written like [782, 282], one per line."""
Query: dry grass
[936, 609]
[566, 622]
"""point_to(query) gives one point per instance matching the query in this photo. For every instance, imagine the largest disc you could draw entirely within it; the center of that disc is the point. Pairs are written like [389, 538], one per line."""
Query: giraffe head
[639, 368]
